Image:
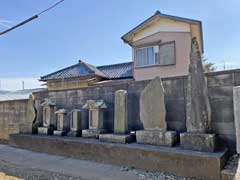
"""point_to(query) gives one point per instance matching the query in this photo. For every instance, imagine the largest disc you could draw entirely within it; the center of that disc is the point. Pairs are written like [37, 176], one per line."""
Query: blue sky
[90, 30]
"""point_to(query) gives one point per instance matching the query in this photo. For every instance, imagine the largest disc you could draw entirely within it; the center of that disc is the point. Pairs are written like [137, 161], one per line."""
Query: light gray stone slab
[198, 105]
[117, 138]
[152, 106]
[120, 112]
[236, 100]
[42, 130]
[198, 141]
[156, 137]
[59, 133]
[92, 133]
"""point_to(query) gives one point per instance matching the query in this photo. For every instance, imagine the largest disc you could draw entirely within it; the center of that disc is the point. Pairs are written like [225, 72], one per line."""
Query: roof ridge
[42, 77]
[115, 64]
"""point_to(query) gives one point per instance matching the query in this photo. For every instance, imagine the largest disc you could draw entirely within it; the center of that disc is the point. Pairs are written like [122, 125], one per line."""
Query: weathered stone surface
[198, 117]
[198, 141]
[49, 108]
[30, 117]
[59, 133]
[62, 120]
[75, 123]
[156, 137]
[76, 120]
[236, 100]
[117, 138]
[121, 112]
[42, 130]
[152, 106]
[95, 113]
[92, 133]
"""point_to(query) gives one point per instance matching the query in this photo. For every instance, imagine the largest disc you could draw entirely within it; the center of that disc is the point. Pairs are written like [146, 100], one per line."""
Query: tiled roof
[114, 71]
[117, 71]
[80, 69]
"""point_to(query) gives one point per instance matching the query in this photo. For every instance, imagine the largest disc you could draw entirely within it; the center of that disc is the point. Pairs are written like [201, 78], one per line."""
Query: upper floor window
[167, 54]
[163, 54]
[145, 56]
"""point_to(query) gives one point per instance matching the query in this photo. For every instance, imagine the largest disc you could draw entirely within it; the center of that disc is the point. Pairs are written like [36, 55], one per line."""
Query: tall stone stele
[236, 100]
[27, 126]
[198, 109]
[121, 132]
[152, 116]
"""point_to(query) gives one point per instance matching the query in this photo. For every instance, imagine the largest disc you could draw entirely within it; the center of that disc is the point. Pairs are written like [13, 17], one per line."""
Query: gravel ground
[10, 171]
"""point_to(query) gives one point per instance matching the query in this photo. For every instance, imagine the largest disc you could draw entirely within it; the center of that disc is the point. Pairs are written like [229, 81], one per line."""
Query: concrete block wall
[220, 85]
[12, 117]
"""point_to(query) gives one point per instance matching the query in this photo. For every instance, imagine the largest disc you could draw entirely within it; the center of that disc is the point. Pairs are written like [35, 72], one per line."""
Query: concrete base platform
[92, 133]
[118, 138]
[198, 142]
[59, 133]
[156, 137]
[74, 133]
[173, 160]
[45, 131]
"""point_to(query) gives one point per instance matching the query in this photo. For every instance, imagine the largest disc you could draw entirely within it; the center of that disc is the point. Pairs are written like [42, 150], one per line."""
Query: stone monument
[198, 109]
[236, 100]
[76, 123]
[49, 119]
[121, 132]
[96, 123]
[152, 116]
[62, 123]
[27, 127]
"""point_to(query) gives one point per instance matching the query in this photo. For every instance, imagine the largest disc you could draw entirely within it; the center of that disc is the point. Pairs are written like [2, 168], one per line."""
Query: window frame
[145, 47]
[175, 58]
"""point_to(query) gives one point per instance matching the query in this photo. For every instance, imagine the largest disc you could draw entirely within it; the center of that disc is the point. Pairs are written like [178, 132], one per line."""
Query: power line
[51, 7]
[31, 18]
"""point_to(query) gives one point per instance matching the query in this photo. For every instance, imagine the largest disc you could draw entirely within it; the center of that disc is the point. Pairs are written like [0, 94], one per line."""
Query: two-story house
[160, 47]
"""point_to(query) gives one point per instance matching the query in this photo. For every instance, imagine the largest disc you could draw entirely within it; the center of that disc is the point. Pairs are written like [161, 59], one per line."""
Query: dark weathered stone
[198, 141]
[156, 137]
[152, 106]
[173, 160]
[198, 117]
[118, 138]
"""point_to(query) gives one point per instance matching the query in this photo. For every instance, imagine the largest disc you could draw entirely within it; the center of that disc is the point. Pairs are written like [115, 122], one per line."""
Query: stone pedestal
[198, 141]
[157, 137]
[59, 133]
[92, 133]
[45, 130]
[118, 138]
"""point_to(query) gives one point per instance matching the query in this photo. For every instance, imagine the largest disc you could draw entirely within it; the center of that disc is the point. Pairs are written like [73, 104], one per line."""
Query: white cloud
[12, 84]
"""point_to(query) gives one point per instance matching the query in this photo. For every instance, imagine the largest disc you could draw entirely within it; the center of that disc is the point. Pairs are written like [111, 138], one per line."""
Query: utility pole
[23, 85]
